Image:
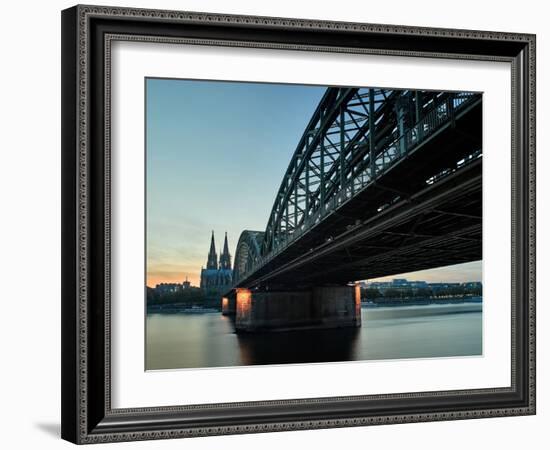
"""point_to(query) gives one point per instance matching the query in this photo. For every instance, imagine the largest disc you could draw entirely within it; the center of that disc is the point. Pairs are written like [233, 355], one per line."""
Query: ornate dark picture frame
[87, 34]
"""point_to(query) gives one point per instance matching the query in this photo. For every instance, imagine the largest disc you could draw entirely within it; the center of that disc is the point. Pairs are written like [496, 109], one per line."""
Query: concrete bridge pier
[315, 308]
[229, 304]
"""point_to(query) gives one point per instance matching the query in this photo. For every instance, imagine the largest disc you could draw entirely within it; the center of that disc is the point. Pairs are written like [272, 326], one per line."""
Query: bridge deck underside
[397, 224]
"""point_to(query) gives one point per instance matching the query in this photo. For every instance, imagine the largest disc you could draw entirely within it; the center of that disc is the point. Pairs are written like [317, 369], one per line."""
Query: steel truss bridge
[381, 182]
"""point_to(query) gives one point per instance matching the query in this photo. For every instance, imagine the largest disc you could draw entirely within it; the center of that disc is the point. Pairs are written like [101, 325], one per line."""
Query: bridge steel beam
[450, 233]
[351, 113]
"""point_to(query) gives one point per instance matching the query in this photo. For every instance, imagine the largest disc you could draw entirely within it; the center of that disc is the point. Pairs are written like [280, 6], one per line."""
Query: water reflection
[305, 346]
[209, 340]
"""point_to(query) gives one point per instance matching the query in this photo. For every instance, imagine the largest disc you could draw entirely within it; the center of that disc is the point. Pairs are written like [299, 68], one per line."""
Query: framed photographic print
[277, 224]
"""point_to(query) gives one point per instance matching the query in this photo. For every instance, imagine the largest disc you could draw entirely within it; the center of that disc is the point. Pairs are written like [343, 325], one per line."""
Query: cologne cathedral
[216, 279]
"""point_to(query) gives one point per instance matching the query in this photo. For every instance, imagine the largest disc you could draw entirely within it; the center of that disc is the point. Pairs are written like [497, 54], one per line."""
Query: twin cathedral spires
[217, 278]
[225, 257]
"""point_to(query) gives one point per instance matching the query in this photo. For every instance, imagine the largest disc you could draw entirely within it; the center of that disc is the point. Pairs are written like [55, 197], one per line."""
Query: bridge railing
[434, 121]
[441, 115]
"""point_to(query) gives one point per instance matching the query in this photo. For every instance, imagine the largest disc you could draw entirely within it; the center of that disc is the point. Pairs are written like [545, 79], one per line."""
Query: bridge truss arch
[247, 254]
[354, 135]
[361, 154]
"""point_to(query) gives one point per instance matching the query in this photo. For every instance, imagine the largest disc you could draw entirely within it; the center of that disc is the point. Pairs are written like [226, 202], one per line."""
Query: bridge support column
[229, 304]
[319, 307]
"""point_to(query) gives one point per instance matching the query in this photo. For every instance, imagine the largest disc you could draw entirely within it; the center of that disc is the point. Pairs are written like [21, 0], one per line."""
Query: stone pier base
[229, 304]
[320, 307]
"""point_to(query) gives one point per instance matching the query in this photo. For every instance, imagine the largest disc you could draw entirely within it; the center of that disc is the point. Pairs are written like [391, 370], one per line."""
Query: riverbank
[176, 308]
[420, 301]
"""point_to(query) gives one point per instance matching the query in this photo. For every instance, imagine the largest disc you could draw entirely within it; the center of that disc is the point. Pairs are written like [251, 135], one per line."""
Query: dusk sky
[216, 153]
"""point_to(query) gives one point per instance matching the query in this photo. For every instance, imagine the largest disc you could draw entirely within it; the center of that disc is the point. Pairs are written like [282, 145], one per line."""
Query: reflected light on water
[298, 346]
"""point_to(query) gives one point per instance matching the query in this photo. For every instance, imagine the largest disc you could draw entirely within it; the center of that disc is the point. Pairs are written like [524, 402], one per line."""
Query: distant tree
[152, 297]
[370, 294]
[392, 293]
[423, 293]
[191, 296]
[456, 291]
[451, 291]
[475, 291]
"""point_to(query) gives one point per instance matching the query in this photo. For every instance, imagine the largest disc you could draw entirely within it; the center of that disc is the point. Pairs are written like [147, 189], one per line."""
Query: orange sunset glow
[177, 274]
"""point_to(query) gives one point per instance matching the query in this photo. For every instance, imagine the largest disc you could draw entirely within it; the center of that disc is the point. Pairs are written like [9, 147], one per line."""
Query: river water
[182, 340]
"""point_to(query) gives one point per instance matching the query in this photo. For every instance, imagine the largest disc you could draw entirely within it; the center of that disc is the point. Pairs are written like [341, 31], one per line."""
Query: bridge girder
[354, 139]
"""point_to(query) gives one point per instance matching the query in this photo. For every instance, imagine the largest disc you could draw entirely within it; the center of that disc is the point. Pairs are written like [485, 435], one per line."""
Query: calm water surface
[209, 340]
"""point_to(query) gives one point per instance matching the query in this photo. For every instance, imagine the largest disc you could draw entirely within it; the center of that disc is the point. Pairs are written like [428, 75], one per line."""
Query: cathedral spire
[212, 262]
[225, 257]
